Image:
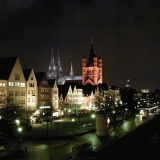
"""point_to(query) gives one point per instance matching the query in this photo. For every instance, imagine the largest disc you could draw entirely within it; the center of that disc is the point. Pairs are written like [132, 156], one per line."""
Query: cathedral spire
[71, 72]
[52, 58]
[58, 59]
[91, 41]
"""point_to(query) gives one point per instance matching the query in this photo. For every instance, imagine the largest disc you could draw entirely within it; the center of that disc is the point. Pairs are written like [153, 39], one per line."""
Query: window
[10, 93]
[28, 99]
[2, 101]
[28, 91]
[31, 78]
[22, 93]
[17, 93]
[33, 99]
[23, 101]
[31, 84]
[22, 84]
[44, 82]
[33, 92]
[3, 94]
[11, 84]
[17, 84]
[17, 76]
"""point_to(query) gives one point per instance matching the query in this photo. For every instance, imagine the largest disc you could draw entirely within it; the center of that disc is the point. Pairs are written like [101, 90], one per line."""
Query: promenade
[83, 134]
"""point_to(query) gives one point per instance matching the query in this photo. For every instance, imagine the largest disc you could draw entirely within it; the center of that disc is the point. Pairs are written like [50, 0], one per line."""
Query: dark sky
[126, 33]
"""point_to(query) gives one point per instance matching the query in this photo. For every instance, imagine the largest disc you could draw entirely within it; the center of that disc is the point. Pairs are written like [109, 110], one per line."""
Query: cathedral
[55, 71]
[92, 69]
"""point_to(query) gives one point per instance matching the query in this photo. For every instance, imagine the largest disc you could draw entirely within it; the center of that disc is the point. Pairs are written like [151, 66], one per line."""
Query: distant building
[145, 90]
[92, 70]
[55, 71]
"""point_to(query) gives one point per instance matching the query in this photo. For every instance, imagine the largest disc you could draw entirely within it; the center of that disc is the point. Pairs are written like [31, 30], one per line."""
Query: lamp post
[93, 117]
[47, 122]
[73, 124]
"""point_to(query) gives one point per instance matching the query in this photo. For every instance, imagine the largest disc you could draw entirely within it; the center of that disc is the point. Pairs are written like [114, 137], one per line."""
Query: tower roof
[91, 55]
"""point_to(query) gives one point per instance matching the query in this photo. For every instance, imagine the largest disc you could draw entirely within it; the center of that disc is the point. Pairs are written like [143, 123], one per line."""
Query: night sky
[126, 33]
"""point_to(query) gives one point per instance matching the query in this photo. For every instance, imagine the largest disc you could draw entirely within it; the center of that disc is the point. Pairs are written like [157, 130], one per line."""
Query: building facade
[92, 69]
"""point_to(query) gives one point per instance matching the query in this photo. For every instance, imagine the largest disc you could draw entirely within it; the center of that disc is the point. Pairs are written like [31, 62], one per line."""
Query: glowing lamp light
[19, 129]
[93, 116]
[108, 120]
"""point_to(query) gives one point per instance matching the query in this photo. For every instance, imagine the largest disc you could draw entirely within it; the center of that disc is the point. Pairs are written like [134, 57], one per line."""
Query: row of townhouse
[32, 91]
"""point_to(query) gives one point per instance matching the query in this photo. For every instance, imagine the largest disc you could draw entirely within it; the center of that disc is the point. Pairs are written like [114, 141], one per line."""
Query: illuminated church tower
[92, 70]
[55, 70]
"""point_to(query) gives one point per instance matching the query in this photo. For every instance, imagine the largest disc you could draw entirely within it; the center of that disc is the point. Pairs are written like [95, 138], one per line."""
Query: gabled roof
[39, 77]
[51, 82]
[6, 66]
[27, 73]
[87, 89]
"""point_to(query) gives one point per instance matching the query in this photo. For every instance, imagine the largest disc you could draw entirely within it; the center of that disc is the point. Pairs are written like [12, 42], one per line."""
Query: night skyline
[125, 33]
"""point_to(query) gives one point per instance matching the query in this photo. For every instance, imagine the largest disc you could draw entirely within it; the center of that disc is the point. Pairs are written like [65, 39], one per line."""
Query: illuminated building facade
[55, 71]
[92, 70]
[31, 89]
[13, 84]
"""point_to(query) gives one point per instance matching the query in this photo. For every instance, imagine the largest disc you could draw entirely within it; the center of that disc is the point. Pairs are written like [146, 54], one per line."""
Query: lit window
[17, 84]
[11, 84]
[22, 84]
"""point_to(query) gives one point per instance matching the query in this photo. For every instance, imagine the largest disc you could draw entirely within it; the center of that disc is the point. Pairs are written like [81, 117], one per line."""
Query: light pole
[73, 124]
[47, 122]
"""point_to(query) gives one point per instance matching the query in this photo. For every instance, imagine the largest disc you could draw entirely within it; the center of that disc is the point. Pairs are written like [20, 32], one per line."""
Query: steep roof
[91, 56]
[87, 89]
[6, 66]
[39, 77]
[26, 73]
[51, 82]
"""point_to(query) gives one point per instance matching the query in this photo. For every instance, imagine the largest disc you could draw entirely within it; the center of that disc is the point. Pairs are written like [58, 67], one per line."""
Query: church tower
[92, 70]
[52, 69]
[55, 70]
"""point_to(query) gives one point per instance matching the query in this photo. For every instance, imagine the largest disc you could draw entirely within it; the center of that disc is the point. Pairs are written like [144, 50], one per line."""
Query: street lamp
[73, 124]
[69, 112]
[93, 116]
[19, 129]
